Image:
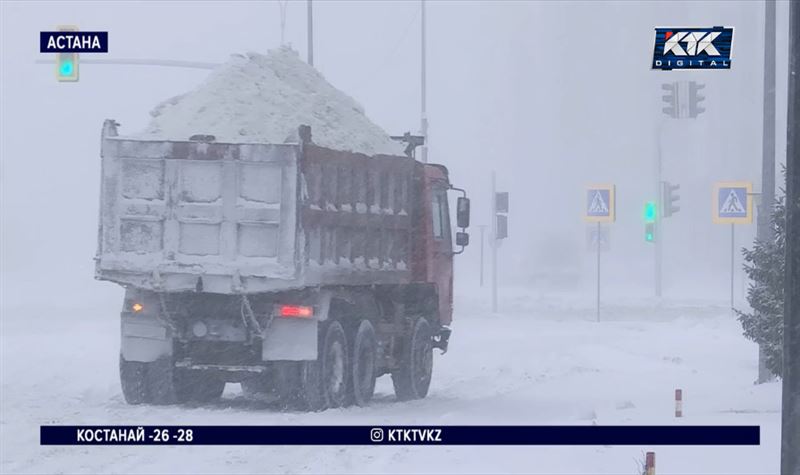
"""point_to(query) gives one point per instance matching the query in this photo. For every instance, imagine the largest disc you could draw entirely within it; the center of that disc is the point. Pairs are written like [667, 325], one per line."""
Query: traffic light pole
[659, 207]
[493, 242]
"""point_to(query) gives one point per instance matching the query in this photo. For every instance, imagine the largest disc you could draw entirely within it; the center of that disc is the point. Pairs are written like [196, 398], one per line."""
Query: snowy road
[540, 364]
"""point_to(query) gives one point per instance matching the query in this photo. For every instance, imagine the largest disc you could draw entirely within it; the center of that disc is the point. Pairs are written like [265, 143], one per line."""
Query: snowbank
[264, 98]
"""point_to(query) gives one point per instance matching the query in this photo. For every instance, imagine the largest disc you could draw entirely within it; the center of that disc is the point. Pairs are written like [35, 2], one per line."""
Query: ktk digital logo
[693, 48]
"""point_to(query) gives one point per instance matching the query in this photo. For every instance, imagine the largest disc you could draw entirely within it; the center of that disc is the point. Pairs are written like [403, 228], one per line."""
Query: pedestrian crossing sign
[600, 203]
[732, 202]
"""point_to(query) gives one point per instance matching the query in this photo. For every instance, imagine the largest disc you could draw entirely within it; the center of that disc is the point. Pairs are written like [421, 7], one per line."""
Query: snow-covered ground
[536, 362]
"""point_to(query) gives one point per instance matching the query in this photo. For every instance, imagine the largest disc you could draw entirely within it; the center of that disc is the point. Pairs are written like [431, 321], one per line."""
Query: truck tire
[325, 381]
[281, 386]
[132, 380]
[363, 363]
[168, 385]
[412, 378]
[256, 387]
[199, 386]
[160, 379]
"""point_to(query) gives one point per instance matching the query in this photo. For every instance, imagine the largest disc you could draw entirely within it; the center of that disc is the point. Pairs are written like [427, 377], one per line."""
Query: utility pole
[764, 231]
[790, 427]
[310, 34]
[423, 97]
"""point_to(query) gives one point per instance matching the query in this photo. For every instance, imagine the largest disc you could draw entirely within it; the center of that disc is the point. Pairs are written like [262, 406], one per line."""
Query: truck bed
[244, 218]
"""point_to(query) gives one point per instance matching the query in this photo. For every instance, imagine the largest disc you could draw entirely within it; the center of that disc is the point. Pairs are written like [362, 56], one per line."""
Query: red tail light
[296, 311]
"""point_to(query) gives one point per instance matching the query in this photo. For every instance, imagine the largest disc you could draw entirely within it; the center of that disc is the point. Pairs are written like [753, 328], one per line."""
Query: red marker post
[678, 403]
[650, 463]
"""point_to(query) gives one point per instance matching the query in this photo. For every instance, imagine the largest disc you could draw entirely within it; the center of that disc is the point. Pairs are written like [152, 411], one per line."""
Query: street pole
[310, 34]
[493, 241]
[790, 417]
[659, 210]
[764, 231]
[483, 229]
[282, 4]
[423, 92]
[733, 254]
[597, 242]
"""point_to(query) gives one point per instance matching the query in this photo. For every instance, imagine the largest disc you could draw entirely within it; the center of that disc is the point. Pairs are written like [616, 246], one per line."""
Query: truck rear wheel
[199, 386]
[363, 363]
[280, 386]
[412, 378]
[258, 387]
[132, 380]
[161, 383]
[324, 381]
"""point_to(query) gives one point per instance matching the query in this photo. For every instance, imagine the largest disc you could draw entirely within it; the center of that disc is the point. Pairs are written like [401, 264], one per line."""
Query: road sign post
[733, 259]
[732, 203]
[600, 208]
[598, 270]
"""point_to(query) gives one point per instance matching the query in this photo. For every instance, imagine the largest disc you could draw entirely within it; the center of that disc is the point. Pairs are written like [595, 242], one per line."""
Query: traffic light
[670, 198]
[650, 232]
[67, 67]
[67, 63]
[501, 214]
[650, 221]
[671, 99]
[650, 212]
[695, 98]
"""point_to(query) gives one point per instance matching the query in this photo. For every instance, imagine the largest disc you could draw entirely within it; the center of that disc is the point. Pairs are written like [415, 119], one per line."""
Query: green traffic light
[650, 212]
[66, 68]
[650, 232]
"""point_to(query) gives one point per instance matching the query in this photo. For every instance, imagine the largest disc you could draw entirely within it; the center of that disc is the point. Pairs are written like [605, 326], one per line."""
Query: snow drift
[264, 98]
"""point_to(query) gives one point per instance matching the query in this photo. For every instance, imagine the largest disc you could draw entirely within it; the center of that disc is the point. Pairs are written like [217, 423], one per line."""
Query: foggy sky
[552, 96]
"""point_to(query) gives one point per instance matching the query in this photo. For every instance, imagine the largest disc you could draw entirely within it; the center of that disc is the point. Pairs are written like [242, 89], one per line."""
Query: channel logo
[692, 48]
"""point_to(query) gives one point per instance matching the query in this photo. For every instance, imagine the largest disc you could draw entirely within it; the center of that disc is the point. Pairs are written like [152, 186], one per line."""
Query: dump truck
[301, 272]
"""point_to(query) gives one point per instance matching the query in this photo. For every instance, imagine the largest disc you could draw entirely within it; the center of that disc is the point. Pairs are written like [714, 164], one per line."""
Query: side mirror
[462, 239]
[462, 212]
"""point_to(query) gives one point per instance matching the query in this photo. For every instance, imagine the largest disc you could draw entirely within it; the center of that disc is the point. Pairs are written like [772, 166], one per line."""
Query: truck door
[442, 251]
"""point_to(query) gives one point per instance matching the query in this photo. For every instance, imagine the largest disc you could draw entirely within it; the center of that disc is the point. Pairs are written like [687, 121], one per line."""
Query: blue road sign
[599, 204]
[732, 203]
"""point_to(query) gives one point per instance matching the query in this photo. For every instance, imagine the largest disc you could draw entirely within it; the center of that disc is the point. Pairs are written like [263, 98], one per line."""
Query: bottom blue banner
[398, 435]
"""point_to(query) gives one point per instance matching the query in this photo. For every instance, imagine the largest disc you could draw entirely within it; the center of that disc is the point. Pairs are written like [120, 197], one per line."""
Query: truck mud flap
[290, 339]
[144, 339]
